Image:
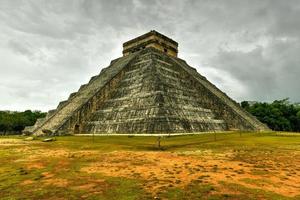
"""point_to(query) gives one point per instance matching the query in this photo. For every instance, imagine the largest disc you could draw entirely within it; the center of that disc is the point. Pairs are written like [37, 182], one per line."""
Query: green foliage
[15, 122]
[279, 115]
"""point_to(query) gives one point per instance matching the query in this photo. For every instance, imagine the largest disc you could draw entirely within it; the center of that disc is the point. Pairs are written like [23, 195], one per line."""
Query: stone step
[62, 104]
[50, 113]
[156, 118]
[125, 107]
[125, 114]
[72, 95]
[82, 87]
[93, 78]
[137, 126]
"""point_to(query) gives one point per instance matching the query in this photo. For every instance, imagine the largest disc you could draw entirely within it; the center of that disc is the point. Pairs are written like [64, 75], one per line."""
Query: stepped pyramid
[148, 90]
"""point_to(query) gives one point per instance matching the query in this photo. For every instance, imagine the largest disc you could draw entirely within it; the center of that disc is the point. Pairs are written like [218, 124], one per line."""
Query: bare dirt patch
[35, 165]
[58, 182]
[165, 169]
[27, 182]
[92, 186]
[47, 175]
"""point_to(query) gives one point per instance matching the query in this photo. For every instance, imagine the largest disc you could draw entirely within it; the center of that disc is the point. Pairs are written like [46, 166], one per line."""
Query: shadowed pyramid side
[226, 108]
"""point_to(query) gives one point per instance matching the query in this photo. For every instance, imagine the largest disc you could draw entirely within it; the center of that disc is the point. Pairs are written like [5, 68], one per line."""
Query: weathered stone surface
[148, 91]
[151, 39]
[47, 132]
[49, 140]
[28, 130]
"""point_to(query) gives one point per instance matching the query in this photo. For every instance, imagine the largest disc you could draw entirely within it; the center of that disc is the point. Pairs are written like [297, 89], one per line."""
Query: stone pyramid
[148, 90]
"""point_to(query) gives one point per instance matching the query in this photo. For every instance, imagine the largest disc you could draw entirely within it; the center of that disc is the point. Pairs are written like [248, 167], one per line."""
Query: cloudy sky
[249, 48]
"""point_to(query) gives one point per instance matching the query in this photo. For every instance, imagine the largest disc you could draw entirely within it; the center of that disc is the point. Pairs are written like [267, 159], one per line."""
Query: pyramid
[147, 90]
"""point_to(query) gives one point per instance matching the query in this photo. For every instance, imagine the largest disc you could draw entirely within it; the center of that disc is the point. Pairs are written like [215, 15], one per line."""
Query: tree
[245, 104]
[279, 115]
[15, 122]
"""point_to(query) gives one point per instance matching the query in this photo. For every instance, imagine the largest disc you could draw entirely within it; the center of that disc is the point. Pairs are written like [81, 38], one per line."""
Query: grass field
[250, 166]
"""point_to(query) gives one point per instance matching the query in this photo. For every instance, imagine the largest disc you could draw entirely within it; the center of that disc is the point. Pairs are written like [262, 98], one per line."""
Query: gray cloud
[268, 73]
[49, 48]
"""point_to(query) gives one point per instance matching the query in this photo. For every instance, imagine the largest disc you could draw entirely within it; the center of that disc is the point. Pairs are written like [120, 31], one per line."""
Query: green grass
[249, 193]
[181, 143]
[248, 148]
[174, 143]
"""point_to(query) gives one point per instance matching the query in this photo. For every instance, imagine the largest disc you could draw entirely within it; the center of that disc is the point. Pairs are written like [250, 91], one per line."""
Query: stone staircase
[55, 119]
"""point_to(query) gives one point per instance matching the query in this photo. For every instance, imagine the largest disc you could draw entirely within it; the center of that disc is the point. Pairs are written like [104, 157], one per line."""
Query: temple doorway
[76, 129]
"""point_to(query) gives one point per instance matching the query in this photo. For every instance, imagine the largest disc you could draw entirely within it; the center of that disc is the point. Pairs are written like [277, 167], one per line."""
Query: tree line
[15, 122]
[280, 115]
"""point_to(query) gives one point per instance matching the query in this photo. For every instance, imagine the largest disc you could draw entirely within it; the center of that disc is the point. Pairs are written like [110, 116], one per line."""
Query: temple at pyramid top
[151, 39]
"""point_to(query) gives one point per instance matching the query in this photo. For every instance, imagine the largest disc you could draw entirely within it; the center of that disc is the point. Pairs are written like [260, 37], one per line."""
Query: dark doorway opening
[77, 129]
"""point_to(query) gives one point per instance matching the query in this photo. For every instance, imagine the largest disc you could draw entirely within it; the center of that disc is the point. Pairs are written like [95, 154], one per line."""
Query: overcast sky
[250, 49]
